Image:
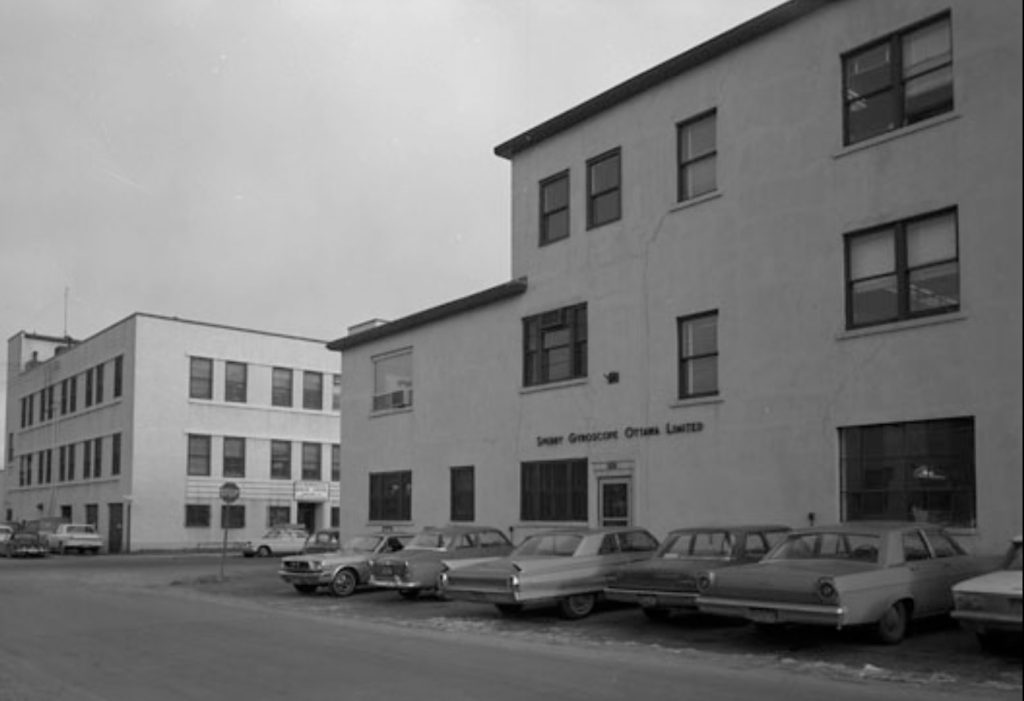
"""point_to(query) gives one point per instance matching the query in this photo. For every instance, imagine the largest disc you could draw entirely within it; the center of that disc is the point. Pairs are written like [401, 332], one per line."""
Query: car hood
[413, 556]
[505, 566]
[333, 557]
[1001, 582]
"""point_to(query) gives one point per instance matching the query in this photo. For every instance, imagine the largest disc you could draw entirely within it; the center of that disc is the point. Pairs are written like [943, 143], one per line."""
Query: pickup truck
[81, 537]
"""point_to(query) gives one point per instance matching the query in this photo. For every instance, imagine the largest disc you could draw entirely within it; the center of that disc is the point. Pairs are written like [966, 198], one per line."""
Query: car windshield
[828, 546]
[81, 529]
[697, 544]
[1013, 558]
[432, 540]
[554, 544]
[362, 543]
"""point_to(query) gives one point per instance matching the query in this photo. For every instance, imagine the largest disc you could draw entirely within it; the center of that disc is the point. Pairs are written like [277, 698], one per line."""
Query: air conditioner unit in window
[401, 398]
[552, 319]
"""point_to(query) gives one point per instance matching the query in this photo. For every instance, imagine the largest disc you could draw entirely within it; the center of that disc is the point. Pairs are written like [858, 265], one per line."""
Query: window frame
[312, 397]
[197, 515]
[545, 215]
[233, 465]
[281, 396]
[462, 493]
[385, 508]
[198, 455]
[593, 197]
[684, 165]
[539, 503]
[200, 386]
[236, 389]
[385, 401]
[536, 357]
[684, 391]
[232, 516]
[312, 470]
[280, 455]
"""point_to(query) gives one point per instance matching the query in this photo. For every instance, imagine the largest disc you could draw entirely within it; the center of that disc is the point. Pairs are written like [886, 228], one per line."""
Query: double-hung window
[311, 461]
[555, 345]
[899, 80]
[698, 156]
[462, 494]
[903, 270]
[604, 189]
[392, 380]
[198, 456]
[235, 382]
[200, 379]
[281, 387]
[554, 208]
[698, 355]
[280, 460]
[312, 390]
[234, 456]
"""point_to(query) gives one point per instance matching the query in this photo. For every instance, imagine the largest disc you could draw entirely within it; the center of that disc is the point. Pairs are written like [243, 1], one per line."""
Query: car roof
[870, 527]
[728, 527]
[590, 530]
[458, 528]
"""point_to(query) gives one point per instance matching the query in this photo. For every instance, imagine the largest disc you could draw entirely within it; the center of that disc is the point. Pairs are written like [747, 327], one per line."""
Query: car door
[956, 565]
[926, 574]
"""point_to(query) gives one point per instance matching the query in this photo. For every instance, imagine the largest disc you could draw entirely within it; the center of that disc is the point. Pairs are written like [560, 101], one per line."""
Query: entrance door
[115, 527]
[307, 516]
[615, 495]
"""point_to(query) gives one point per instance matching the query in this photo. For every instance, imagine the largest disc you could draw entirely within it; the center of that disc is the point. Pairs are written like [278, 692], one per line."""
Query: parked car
[5, 533]
[342, 570]
[568, 568]
[870, 573]
[418, 567]
[668, 581]
[323, 541]
[25, 544]
[279, 540]
[990, 605]
[78, 537]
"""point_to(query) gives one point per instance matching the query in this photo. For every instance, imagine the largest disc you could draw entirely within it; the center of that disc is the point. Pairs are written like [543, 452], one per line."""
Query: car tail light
[705, 580]
[513, 583]
[826, 590]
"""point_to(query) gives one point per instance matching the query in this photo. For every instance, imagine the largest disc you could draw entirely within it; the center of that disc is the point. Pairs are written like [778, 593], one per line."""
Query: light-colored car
[668, 581]
[990, 605]
[417, 569]
[278, 540]
[5, 533]
[343, 570]
[74, 537]
[568, 568]
[870, 573]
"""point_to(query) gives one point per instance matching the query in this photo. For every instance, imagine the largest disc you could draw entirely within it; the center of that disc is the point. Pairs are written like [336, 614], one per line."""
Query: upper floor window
[555, 345]
[200, 378]
[115, 456]
[698, 156]
[118, 375]
[698, 355]
[73, 398]
[312, 390]
[903, 270]
[280, 460]
[899, 80]
[63, 397]
[335, 462]
[336, 392]
[392, 381]
[235, 381]
[281, 387]
[234, 456]
[604, 189]
[554, 208]
[311, 457]
[99, 383]
[88, 387]
[198, 455]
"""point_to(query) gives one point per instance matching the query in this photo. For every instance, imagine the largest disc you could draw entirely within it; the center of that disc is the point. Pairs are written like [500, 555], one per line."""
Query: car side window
[637, 542]
[943, 545]
[914, 547]
[466, 540]
[609, 544]
[393, 546]
[492, 539]
[756, 546]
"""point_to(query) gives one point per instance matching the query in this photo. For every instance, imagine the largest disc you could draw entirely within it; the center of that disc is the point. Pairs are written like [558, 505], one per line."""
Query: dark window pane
[870, 116]
[869, 71]
[605, 208]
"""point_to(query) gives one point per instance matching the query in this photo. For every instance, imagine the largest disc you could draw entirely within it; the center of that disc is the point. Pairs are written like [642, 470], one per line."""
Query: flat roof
[491, 295]
[702, 53]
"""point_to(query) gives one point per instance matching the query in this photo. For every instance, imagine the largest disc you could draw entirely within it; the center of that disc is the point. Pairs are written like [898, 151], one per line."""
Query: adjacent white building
[136, 428]
[775, 278]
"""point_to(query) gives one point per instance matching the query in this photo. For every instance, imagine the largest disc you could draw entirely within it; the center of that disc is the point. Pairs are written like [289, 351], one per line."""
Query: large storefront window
[554, 491]
[391, 496]
[918, 471]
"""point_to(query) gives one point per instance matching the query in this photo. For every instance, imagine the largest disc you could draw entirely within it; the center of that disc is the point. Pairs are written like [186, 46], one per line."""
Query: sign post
[229, 493]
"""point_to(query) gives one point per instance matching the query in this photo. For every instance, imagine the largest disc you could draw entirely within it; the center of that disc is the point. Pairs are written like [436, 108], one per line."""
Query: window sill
[904, 325]
[263, 407]
[695, 201]
[696, 401]
[389, 412]
[575, 382]
[896, 134]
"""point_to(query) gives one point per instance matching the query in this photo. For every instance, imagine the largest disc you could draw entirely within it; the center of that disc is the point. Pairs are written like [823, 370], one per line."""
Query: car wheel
[263, 551]
[409, 594]
[344, 583]
[892, 626]
[509, 609]
[657, 614]
[305, 588]
[577, 606]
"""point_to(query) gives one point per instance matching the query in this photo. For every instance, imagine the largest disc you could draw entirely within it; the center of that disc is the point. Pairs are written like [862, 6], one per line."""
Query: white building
[136, 428]
[775, 278]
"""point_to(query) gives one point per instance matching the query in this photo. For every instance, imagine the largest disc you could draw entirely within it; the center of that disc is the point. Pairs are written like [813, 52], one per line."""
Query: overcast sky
[296, 166]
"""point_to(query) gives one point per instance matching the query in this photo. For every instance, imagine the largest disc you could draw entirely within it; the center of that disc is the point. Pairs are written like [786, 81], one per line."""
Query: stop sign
[229, 492]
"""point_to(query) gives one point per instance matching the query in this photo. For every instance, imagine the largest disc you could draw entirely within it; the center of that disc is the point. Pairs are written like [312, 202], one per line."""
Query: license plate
[648, 602]
[763, 615]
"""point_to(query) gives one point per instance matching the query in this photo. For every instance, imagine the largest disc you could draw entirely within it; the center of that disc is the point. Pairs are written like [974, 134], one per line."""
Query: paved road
[110, 628]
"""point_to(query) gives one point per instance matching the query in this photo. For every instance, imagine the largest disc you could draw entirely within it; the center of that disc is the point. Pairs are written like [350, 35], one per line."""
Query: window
[918, 471]
[66, 512]
[118, 375]
[235, 379]
[280, 460]
[99, 384]
[698, 355]
[391, 496]
[97, 457]
[554, 208]
[553, 491]
[278, 515]
[392, 381]
[234, 457]
[49, 465]
[232, 516]
[197, 515]
[31, 398]
[312, 390]
[281, 387]
[462, 494]
[335, 517]
[10, 447]
[698, 156]
[902, 79]
[72, 449]
[63, 397]
[335, 463]
[198, 455]
[62, 464]
[42, 405]
[311, 456]
[200, 380]
[335, 392]
[92, 515]
[73, 401]
[49, 401]
[555, 345]
[902, 271]
[88, 387]
[604, 189]
[115, 454]
[86, 459]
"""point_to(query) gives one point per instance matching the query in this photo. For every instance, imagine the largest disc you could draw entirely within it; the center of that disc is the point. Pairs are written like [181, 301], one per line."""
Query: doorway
[307, 516]
[615, 500]
[115, 527]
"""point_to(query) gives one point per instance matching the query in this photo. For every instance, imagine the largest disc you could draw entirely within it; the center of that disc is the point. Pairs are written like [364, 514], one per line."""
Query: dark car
[25, 544]
[668, 581]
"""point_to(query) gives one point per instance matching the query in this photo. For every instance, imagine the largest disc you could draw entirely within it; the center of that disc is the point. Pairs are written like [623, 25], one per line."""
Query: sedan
[567, 568]
[871, 573]
[668, 581]
[25, 544]
[279, 540]
[990, 605]
[343, 570]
